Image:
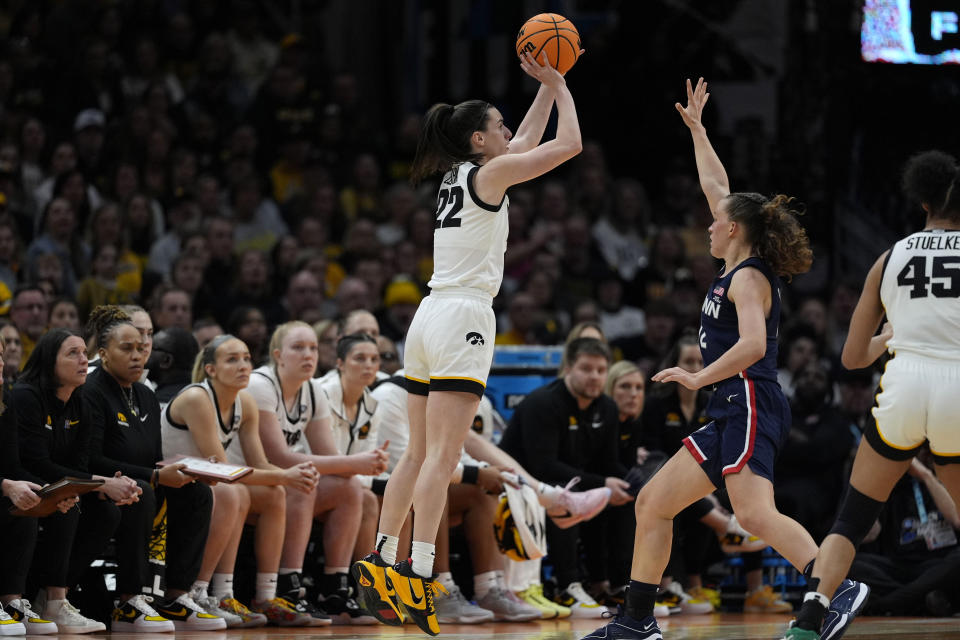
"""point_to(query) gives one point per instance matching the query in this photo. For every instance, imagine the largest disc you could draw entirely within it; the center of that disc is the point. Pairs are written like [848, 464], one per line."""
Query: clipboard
[53, 493]
[202, 468]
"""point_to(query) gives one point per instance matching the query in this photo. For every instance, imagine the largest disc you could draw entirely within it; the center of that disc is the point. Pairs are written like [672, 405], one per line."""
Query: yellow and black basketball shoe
[415, 594]
[375, 592]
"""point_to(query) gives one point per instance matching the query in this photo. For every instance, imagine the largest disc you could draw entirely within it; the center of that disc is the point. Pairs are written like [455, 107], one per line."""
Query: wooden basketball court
[721, 626]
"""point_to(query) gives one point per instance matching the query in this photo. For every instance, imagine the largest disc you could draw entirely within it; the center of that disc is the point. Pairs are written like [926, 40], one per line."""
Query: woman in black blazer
[54, 440]
[124, 416]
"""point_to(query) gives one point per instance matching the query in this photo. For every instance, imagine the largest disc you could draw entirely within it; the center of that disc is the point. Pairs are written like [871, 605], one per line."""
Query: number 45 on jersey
[914, 275]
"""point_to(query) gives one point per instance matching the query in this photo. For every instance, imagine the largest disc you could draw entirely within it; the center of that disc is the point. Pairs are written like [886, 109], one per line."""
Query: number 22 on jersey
[449, 201]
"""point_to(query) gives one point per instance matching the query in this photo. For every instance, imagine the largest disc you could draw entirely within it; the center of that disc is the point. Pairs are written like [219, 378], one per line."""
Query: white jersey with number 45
[469, 237]
[920, 291]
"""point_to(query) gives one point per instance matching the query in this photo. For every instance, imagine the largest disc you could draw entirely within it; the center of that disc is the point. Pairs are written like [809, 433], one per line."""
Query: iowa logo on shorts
[475, 338]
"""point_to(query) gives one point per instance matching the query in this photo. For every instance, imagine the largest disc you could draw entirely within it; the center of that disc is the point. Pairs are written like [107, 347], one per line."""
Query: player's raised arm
[713, 177]
[509, 169]
[531, 129]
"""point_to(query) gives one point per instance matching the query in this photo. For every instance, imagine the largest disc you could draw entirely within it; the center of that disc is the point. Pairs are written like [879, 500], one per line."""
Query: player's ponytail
[773, 231]
[445, 137]
[932, 178]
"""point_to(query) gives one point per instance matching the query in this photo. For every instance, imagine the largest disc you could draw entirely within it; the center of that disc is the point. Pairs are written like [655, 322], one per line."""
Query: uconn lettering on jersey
[711, 304]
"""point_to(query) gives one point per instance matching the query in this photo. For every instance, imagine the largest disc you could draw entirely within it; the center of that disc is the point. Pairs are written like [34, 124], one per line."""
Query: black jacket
[120, 440]
[10, 467]
[555, 440]
[664, 424]
[54, 436]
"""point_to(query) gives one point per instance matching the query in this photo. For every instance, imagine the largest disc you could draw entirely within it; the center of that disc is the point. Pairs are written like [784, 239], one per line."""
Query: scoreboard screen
[911, 31]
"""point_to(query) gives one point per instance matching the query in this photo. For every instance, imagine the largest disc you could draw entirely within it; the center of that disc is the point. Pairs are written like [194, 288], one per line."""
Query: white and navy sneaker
[21, 611]
[847, 602]
[623, 627]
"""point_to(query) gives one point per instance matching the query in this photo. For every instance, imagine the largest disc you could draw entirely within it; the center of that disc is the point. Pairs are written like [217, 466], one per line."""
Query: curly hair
[933, 178]
[773, 231]
[102, 321]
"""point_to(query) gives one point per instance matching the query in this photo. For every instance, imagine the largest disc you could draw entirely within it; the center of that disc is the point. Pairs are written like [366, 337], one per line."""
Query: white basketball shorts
[449, 345]
[919, 400]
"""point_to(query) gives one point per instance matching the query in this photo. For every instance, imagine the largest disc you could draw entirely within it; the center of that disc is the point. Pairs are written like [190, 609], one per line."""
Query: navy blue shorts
[751, 421]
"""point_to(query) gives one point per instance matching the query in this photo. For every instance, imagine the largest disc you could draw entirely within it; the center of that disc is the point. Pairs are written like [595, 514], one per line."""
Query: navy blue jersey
[718, 321]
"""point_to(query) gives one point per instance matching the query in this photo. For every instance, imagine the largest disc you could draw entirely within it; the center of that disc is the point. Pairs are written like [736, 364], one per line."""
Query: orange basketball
[552, 34]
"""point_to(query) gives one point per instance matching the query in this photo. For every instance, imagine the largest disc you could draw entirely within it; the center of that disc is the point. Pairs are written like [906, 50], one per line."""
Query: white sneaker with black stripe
[679, 601]
[581, 605]
[188, 615]
[21, 611]
[9, 626]
[137, 616]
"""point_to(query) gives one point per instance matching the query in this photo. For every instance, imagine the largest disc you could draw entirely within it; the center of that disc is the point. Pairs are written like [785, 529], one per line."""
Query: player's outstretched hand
[696, 99]
[543, 73]
[680, 375]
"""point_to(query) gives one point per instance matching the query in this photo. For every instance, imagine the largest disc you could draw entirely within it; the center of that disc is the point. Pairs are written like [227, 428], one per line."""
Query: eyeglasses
[389, 356]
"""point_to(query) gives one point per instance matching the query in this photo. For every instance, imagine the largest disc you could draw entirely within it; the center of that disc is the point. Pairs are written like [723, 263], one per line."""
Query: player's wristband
[470, 474]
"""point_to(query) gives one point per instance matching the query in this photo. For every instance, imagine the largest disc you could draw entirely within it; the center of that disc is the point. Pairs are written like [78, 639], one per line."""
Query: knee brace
[857, 514]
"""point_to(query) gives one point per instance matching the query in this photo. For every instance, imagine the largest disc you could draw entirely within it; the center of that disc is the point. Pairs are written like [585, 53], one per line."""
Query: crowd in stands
[167, 167]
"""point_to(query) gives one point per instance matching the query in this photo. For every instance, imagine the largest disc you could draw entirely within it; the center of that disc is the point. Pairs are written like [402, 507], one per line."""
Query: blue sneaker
[844, 607]
[623, 627]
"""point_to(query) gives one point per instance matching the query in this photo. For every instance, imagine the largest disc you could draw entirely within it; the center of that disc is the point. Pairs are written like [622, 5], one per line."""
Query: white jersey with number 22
[470, 236]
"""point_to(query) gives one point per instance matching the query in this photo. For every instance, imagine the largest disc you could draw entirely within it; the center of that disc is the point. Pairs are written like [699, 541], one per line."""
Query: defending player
[917, 285]
[758, 239]
[449, 346]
